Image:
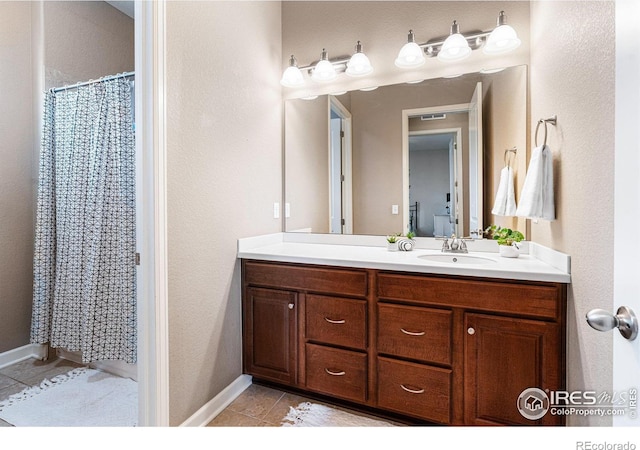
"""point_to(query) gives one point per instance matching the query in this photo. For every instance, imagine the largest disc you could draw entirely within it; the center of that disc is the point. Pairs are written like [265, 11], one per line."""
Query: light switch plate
[394, 209]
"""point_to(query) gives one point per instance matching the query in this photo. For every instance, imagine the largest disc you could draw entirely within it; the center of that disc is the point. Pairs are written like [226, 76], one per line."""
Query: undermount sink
[456, 258]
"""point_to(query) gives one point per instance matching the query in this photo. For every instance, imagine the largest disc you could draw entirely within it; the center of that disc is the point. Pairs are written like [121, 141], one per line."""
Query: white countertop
[537, 264]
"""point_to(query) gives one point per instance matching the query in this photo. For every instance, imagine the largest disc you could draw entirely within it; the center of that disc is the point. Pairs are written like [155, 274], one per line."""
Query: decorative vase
[509, 251]
[392, 246]
[406, 245]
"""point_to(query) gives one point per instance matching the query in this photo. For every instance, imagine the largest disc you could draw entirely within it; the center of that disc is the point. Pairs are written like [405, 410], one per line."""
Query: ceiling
[126, 7]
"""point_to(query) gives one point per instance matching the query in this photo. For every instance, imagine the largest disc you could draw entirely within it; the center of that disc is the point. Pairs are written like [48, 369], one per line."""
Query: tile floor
[257, 406]
[262, 406]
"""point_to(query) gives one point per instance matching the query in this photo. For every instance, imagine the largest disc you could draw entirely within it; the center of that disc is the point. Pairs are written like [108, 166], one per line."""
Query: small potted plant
[392, 242]
[507, 240]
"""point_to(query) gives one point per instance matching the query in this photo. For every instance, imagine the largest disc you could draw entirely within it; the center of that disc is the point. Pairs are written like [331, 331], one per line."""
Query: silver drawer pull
[413, 333]
[334, 321]
[335, 374]
[412, 391]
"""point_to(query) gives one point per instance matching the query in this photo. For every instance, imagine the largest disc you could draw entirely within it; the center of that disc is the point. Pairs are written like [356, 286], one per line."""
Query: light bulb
[411, 54]
[292, 77]
[324, 70]
[455, 47]
[359, 64]
[502, 39]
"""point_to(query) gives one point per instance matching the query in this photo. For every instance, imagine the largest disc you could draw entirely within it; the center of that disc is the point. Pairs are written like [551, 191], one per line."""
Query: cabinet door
[503, 357]
[270, 331]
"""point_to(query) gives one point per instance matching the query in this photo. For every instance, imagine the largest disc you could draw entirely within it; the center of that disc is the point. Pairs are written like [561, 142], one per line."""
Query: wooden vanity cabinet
[270, 340]
[319, 333]
[440, 349]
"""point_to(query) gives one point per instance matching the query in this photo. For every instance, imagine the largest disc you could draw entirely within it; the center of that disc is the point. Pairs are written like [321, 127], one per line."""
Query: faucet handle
[445, 244]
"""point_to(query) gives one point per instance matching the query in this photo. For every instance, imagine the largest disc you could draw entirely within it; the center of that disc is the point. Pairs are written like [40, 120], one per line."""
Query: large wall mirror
[422, 157]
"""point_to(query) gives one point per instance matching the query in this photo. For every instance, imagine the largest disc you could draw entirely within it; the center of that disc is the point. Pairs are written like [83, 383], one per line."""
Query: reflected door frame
[346, 181]
[459, 183]
[455, 174]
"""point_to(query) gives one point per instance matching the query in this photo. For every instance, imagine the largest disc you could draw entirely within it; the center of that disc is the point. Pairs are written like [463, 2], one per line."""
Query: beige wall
[85, 40]
[224, 174]
[16, 174]
[573, 76]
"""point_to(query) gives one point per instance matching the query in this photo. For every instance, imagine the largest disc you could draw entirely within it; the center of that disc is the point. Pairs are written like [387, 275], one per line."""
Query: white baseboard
[216, 405]
[38, 351]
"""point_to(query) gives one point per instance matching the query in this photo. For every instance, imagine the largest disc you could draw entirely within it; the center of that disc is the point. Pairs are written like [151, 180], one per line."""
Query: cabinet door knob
[291, 305]
[471, 331]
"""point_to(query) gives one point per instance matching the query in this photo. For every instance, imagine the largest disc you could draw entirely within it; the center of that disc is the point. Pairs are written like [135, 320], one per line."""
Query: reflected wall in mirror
[364, 162]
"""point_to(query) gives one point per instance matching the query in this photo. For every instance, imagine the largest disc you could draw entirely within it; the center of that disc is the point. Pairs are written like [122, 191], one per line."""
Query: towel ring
[513, 150]
[552, 120]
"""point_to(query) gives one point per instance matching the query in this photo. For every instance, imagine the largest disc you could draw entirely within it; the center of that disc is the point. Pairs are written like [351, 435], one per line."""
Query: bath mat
[81, 398]
[315, 415]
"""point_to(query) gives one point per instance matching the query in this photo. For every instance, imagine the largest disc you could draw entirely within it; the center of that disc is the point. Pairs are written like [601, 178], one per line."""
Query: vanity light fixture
[359, 65]
[458, 46]
[502, 39]
[292, 77]
[455, 47]
[324, 70]
[410, 55]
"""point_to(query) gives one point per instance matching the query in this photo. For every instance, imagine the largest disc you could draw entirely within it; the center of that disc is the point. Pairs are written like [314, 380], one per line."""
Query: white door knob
[471, 331]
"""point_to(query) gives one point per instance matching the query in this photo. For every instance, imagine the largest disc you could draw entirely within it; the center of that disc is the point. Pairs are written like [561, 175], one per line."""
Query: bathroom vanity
[435, 342]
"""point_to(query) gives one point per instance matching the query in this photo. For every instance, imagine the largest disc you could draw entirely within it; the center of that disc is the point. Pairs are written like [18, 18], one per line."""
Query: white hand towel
[505, 203]
[536, 201]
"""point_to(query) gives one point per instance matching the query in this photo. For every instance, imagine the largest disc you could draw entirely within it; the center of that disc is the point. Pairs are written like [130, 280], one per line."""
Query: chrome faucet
[457, 245]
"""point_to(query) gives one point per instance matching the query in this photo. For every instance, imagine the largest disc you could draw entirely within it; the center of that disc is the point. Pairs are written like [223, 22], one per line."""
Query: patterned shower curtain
[84, 260]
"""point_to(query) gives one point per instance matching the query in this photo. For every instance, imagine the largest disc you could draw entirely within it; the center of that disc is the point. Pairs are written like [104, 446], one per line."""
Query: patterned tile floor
[257, 406]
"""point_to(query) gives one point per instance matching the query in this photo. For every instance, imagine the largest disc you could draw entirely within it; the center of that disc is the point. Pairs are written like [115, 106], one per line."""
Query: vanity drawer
[533, 299]
[415, 389]
[298, 277]
[337, 321]
[415, 332]
[333, 371]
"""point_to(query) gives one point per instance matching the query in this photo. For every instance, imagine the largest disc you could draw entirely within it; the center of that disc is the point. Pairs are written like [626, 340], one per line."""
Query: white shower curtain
[84, 260]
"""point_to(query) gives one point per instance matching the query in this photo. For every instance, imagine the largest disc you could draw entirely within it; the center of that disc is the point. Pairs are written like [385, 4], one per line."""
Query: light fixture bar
[340, 64]
[476, 40]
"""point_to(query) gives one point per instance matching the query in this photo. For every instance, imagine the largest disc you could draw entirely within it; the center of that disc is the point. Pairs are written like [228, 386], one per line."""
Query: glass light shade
[501, 40]
[455, 47]
[410, 56]
[359, 65]
[292, 77]
[324, 71]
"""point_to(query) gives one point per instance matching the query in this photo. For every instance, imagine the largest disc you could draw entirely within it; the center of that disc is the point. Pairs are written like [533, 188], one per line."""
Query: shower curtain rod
[86, 83]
